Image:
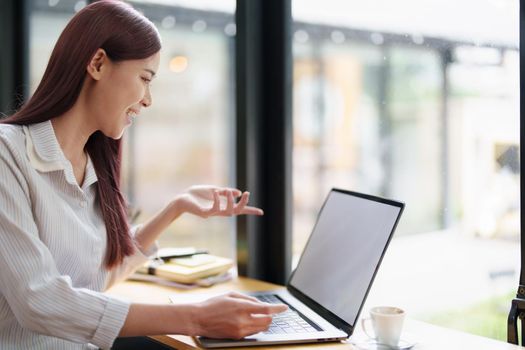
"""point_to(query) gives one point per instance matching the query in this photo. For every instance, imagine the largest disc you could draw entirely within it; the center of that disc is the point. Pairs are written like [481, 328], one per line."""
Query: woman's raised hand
[206, 201]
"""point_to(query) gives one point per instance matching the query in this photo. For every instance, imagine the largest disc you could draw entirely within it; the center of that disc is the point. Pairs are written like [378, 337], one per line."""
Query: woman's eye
[147, 80]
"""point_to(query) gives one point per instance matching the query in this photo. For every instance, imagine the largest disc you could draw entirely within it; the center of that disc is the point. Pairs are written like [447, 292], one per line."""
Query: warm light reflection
[178, 64]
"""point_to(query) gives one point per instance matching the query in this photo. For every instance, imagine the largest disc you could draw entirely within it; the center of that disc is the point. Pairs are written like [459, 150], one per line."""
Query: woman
[64, 235]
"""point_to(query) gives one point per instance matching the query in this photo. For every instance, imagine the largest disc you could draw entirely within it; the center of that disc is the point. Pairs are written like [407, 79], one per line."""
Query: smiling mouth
[131, 114]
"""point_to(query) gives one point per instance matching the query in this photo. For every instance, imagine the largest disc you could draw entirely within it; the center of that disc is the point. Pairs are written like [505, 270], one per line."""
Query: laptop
[327, 290]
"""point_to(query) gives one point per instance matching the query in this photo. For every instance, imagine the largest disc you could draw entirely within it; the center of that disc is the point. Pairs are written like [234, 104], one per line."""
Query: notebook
[327, 290]
[188, 270]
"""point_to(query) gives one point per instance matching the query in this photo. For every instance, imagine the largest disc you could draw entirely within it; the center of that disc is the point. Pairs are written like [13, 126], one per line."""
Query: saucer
[371, 344]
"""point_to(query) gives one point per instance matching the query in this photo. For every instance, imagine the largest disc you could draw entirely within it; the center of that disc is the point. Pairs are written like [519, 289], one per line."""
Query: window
[423, 109]
[47, 20]
[187, 136]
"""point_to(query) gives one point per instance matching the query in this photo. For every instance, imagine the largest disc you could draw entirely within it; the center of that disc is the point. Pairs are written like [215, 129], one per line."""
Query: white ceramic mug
[387, 322]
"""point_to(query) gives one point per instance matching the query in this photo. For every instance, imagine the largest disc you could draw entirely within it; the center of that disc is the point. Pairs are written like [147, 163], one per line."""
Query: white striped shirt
[52, 249]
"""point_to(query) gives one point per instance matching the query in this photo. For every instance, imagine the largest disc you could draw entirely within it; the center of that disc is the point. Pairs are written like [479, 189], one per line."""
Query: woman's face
[123, 92]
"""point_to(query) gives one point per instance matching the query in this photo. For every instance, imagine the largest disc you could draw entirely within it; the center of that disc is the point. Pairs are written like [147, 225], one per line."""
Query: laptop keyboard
[289, 321]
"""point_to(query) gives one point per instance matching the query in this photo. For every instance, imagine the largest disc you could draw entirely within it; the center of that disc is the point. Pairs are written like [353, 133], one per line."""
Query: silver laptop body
[327, 290]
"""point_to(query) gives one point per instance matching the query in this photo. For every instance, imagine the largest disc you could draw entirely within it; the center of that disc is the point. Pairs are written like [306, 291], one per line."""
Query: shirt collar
[45, 154]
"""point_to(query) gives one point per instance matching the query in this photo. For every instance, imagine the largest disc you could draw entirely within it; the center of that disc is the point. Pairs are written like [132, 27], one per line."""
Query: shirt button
[83, 204]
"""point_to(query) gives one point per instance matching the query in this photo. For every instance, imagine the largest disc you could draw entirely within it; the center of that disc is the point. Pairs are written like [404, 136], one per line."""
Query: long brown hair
[124, 34]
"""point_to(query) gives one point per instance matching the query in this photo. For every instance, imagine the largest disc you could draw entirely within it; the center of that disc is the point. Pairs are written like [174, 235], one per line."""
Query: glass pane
[414, 137]
[186, 137]
[423, 109]
[47, 20]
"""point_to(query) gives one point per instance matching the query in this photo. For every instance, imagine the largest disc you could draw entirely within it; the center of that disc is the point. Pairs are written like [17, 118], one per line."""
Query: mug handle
[364, 322]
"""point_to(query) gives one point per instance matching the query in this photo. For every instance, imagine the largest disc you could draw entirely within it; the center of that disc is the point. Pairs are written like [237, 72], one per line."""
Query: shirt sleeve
[132, 262]
[41, 299]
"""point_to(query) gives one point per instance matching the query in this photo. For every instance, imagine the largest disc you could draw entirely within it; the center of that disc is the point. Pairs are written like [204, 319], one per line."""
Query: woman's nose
[146, 100]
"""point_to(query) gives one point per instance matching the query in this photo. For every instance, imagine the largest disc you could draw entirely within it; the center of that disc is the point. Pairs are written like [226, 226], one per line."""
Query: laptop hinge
[329, 316]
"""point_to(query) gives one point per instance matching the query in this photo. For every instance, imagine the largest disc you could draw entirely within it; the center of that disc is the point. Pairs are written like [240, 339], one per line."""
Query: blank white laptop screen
[344, 251]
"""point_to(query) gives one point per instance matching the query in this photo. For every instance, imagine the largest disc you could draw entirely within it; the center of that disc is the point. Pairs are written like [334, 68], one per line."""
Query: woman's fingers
[243, 209]
[239, 208]
[223, 202]
[229, 203]
[256, 307]
[259, 323]
[261, 316]
[252, 211]
[216, 207]
[206, 191]
[224, 191]
[242, 203]
[265, 308]
[203, 191]
[234, 315]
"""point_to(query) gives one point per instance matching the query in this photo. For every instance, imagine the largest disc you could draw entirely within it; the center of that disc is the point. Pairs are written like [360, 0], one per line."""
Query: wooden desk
[428, 337]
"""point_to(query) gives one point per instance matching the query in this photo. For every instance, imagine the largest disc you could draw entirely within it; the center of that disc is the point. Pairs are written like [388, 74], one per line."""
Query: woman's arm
[231, 315]
[228, 316]
[39, 295]
[203, 201]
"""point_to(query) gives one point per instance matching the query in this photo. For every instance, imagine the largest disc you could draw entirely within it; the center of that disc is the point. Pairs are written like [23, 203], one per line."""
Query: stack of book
[196, 268]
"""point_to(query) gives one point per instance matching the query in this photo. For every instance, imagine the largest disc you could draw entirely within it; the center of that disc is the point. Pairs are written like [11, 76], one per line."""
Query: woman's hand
[233, 316]
[228, 316]
[205, 201]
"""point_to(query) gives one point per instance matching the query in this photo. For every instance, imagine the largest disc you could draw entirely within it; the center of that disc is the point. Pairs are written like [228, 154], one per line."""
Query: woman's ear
[97, 65]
